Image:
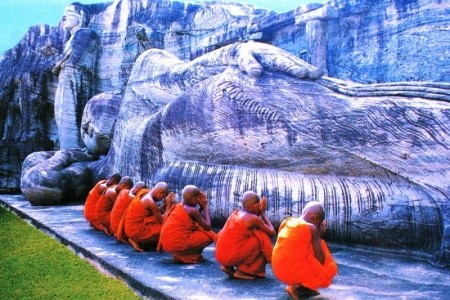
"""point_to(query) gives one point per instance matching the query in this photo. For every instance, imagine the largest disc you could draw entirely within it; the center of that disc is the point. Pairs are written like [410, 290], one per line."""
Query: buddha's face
[71, 18]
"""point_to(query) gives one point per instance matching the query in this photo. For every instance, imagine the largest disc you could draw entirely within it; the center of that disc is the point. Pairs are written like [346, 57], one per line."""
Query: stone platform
[363, 274]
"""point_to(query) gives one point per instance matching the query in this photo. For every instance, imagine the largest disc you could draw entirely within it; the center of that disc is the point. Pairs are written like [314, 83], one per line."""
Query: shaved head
[127, 182]
[162, 186]
[138, 186]
[114, 179]
[311, 209]
[249, 198]
[190, 191]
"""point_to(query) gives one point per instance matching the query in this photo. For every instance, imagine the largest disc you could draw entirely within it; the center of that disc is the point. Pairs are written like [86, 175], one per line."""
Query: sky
[16, 16]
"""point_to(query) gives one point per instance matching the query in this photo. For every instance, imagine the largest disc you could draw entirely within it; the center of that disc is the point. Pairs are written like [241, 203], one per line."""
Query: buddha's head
[74, 17]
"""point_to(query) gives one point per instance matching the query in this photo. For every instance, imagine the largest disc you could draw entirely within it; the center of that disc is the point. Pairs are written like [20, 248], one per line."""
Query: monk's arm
[168, 203]
[110, 197]
[264, 224]
[162, 208]
[317, 247]
[197, 217]
[150, 205]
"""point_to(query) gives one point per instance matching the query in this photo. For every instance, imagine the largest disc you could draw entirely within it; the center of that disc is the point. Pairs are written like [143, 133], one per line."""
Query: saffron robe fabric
[120, 206]
[247, 250]
[182, 237]
[138, 223]
[293, 260]
[91, 202]
[103, 211]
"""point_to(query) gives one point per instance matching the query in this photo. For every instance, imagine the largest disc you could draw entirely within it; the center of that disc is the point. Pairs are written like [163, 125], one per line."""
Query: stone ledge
[362, 274]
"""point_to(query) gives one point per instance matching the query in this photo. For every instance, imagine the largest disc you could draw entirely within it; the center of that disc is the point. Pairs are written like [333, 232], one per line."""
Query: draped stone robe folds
[184, 238]
[91, 202]
[247, 250]
[293, 260]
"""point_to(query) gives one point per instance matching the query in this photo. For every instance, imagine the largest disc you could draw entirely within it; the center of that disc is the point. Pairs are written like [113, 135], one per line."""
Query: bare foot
[228, 270]
[291, 292]
[241, 275]
[135, 245]
[301, 291]
[106, 230]
[122, 240]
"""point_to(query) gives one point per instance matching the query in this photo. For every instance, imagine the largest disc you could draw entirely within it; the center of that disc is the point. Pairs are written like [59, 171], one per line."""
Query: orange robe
[103, 211]
[247, 250]
[184, 238]
[138, 223]
[91, 202]
[120, 206]
[293, 260]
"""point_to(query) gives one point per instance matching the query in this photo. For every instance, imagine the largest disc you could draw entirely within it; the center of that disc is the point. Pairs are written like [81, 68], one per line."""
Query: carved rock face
[56, 177]
[97, 125]
[71, 18]
[75, 87]
[377, 163]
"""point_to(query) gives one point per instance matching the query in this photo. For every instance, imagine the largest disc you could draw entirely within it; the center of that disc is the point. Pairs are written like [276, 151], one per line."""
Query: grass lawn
[36, 266]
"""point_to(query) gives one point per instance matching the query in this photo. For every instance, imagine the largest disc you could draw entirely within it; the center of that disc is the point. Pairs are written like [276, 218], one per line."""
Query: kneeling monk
[142, 221]
[244, 241]
[105, 204]
[300, 258]
[94, 195]
[185, 233]
[121, 204]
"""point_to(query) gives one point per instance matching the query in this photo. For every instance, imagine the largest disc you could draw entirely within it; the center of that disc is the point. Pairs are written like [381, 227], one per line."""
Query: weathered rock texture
[377, 155]
[370, 141]
[99, 119]
[391, 40]
[56, 177]
[361, 41]
[75, 87]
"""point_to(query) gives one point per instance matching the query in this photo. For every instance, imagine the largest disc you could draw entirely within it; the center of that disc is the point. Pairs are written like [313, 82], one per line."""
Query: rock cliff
[351, 107]
[361, 41]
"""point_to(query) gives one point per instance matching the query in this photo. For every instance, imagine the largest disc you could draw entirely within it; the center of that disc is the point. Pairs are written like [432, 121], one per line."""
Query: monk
[301, 258]
[243, 246]
[93, 196]
[142, 221]
[106, 203]
[123, 199]
[185, 232]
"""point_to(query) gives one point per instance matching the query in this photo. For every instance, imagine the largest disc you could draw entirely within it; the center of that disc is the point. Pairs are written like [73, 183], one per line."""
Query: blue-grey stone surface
[363, 274]
[350, 108]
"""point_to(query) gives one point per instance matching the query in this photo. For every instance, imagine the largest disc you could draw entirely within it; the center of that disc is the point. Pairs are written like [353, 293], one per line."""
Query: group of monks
[151, 219]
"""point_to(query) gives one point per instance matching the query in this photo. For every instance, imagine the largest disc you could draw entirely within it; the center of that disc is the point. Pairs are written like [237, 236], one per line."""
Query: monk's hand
[170, 199]
[322, 228]
[263, 205]
[202, 200]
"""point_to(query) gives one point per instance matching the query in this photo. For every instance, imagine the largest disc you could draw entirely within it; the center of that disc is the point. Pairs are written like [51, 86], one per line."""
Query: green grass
[36, 266]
